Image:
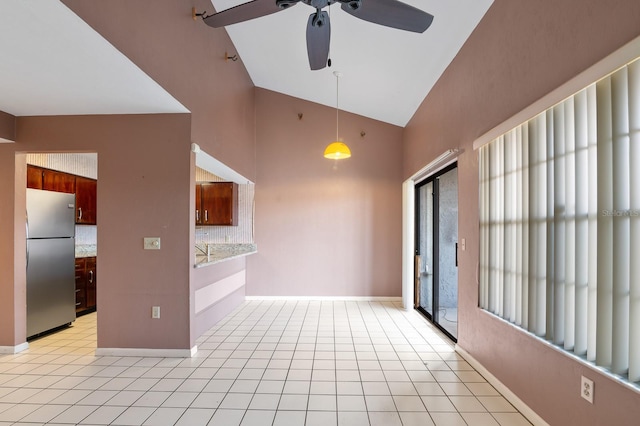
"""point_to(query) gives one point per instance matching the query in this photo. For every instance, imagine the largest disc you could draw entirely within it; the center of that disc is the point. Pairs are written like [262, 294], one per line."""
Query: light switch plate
[152, 243]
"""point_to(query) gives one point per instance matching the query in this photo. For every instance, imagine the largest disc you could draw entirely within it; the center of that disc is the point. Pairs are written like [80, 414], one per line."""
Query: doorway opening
[58, 176]
[436, 249]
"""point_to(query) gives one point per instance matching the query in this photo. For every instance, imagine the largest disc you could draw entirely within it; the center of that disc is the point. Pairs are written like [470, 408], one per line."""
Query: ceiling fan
[390, 13]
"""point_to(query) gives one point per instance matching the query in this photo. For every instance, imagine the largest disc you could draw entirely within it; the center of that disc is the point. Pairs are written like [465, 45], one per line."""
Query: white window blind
[560, 224]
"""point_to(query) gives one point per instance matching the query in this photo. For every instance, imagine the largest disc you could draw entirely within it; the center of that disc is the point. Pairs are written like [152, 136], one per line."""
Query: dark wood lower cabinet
[86, 280]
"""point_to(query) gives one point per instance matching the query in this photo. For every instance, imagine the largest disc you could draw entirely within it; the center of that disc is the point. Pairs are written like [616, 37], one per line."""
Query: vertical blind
[560, 224]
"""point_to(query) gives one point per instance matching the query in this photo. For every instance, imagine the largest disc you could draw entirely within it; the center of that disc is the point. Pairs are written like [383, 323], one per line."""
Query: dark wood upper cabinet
[58, 181]
[219, 203]
[34, 177]
[84, 188]
[86, 196]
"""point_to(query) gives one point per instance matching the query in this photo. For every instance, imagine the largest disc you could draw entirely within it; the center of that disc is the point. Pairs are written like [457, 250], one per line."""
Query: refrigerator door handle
[27, 230]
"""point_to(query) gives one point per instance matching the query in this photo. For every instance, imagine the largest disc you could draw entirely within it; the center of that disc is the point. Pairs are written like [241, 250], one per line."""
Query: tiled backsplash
[81, 164]
[241, 234]
[86, 235]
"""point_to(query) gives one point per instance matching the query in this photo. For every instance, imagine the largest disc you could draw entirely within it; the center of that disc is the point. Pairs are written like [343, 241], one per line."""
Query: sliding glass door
[436, 260]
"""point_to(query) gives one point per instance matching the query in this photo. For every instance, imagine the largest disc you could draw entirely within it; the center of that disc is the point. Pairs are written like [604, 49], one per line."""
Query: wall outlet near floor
[587, 389]
[155, 312]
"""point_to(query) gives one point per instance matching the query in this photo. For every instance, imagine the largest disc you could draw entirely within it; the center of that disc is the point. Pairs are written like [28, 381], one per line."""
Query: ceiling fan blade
[246, 11]
[391, 13]
[318, 37]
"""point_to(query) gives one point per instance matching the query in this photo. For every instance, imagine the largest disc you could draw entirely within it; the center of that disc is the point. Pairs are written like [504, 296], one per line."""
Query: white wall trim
[524, 409]
[408, 241]
[156, 353]
[14, 349]
[596, 72]
[329, 298]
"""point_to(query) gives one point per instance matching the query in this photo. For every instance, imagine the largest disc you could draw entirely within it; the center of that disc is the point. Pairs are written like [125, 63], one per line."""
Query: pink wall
[12, 230]
[187, 59]
[142, 192]
[7, 126]
[520, 51]
[323, 231]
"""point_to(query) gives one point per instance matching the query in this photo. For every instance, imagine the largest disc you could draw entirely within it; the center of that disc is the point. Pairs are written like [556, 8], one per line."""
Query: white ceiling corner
[54, 63]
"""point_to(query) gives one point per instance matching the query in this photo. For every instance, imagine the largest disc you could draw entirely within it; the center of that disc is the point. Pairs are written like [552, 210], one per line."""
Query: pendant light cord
[337, 102]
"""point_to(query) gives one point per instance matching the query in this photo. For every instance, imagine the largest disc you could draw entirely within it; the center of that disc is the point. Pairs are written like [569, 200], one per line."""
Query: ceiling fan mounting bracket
[195, 15]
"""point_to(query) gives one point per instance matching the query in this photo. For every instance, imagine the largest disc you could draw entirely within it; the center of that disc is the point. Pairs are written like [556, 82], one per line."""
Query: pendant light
[337, 150]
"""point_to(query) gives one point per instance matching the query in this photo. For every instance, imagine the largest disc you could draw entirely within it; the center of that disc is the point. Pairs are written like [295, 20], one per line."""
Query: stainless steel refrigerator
[50, 260]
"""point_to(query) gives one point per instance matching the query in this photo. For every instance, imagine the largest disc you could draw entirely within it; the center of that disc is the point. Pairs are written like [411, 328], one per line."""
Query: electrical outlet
[155, 312]
[587, 389]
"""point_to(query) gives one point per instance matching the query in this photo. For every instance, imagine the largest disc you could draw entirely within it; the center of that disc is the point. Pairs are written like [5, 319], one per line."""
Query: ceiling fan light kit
[389, 13]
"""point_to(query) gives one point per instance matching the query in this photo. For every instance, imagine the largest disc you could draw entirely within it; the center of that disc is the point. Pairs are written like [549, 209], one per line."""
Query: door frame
[409, 222]
[433, 178]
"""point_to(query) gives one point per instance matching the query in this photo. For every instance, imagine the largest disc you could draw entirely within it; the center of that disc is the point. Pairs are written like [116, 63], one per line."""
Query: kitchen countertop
[87, 250]
[221, 252]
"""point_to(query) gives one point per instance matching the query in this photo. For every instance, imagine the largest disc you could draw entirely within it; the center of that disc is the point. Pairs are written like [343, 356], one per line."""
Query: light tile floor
[272, 363]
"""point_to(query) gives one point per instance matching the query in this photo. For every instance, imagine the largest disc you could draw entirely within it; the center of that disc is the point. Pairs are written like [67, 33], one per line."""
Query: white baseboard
[156, 353]
[329, 298]
[524, 409]
[14, 349]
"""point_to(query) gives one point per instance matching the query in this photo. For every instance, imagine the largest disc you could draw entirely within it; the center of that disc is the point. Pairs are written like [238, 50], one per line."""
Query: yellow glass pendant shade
[337, 151]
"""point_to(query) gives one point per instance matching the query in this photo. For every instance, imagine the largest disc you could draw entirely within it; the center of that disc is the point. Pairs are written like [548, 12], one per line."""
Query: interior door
[436, 245]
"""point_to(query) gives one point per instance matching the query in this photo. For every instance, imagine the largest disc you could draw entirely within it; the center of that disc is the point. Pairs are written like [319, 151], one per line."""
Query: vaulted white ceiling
[386, 73]
[53, 63]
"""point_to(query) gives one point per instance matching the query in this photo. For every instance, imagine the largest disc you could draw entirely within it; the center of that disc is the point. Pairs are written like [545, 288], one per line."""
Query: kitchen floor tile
[351, 403]
[408, 403]
[496, 404]
[321, 418]
[290, 418]
[447, 419]
[265, 401]
[134, 416]
[479, 419]
[226, 417]
[353, 418]
[390, 418]
[322, 402]
[267, 363]
[415, 418]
